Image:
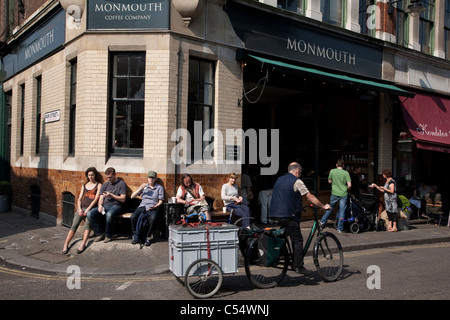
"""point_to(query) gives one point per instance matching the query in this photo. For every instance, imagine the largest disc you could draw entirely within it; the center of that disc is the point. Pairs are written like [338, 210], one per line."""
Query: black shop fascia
[320, 87]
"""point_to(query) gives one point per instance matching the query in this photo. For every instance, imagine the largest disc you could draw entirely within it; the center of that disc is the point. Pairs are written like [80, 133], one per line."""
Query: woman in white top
[232, 200]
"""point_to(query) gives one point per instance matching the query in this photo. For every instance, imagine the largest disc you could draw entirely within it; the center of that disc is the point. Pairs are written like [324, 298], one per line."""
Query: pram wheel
[354, 228]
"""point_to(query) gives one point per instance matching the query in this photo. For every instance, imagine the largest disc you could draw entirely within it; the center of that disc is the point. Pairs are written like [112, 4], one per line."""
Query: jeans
[242, 211]
[341, 212]
[264, 199]
[103, 224]
[152, 215]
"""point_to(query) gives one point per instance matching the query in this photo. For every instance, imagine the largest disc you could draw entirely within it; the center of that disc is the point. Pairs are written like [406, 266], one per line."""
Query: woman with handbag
[232, 200]
[390, 198]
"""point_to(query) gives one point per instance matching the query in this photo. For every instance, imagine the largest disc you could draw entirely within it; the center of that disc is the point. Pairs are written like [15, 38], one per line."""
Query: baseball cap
[151, 174]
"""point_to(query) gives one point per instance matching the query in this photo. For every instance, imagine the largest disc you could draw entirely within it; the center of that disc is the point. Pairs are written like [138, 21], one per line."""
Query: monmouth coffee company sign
[295, 40]
[128, 14]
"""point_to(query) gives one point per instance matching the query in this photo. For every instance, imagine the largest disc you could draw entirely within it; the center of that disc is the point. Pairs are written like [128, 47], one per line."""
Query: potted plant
[5, 196]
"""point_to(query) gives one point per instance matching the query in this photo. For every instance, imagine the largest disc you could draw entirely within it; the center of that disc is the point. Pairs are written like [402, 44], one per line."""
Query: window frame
[402, 23]
[38, 114]
[363, 5]
[447, 29]
[325, 8]
[427, 18]
[72, 107]
[22, 120]
[195, 106]
[127, 102]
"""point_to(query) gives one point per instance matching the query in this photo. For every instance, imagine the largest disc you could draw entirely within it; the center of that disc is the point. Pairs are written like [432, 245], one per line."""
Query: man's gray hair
[294, 166]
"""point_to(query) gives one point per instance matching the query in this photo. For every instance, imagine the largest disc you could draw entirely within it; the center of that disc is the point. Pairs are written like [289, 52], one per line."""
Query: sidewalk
[36, 244]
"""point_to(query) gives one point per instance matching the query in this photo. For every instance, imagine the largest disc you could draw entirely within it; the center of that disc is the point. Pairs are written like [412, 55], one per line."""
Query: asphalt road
[399, 273]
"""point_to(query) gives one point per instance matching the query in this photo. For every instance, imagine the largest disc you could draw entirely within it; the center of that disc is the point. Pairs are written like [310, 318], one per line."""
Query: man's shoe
[303, 270]
[107, 240]
[147, 243]
[134, 241]
[99, 238]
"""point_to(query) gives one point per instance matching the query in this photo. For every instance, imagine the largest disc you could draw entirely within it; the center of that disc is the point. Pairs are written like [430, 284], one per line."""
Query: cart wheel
[180, 280]
[354, 227]
[203, 278]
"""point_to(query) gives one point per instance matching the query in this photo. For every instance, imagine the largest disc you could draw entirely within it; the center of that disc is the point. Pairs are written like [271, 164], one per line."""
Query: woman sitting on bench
[232, 200]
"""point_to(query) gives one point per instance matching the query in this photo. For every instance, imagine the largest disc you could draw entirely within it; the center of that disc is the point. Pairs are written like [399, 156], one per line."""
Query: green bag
[270, 244]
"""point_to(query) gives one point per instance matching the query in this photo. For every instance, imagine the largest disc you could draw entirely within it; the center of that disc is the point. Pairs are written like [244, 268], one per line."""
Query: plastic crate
[188, 244]
[193, 235]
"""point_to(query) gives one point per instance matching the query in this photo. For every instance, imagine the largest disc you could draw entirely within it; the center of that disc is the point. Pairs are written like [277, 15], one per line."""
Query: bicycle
[328, 256]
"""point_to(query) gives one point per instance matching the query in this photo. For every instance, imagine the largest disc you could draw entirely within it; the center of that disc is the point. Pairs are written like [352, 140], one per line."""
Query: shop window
[127, 104]
[73, 106]
[426, 27]
[200, 103]
[38, 114]
[332, 11]
[68, 205]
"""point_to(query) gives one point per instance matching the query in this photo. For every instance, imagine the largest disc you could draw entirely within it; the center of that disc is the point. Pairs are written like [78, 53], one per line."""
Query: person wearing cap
[152, 195]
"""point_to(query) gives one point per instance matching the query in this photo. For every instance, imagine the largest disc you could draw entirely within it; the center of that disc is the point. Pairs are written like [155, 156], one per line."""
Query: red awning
[428, 120]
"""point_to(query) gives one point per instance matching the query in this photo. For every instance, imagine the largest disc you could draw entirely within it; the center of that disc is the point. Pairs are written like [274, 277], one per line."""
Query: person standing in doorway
[340, 184]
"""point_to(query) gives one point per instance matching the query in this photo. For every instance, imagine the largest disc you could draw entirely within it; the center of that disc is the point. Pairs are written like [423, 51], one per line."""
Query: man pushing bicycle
[286, 208]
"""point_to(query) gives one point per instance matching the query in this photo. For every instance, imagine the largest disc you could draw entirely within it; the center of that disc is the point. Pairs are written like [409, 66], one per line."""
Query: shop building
[209, 87]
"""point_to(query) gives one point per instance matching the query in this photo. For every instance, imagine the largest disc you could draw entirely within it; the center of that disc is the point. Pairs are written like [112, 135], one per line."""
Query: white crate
[188, 244]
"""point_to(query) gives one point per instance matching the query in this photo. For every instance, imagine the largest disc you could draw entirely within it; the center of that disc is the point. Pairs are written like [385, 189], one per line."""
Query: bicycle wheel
[328, 256]
[261, 276]
[203, 278]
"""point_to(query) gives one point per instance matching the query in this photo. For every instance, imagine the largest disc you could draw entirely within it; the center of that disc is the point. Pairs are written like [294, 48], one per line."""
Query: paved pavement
[37, 244]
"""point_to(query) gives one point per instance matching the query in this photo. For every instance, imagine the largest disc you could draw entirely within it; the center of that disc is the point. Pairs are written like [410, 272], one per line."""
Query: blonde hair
[232, 176]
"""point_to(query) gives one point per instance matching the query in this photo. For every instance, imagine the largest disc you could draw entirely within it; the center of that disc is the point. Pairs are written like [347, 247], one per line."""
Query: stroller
[370, 203]
[356, 217]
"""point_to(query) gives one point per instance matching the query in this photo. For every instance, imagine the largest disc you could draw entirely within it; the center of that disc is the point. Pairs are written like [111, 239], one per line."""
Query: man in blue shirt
[152, 195]
[286, 207]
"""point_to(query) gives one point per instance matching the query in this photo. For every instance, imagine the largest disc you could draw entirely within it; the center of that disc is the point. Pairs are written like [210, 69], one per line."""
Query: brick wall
[54, 183]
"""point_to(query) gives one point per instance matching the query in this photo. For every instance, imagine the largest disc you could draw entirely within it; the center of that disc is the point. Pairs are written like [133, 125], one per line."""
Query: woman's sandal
[80, 251]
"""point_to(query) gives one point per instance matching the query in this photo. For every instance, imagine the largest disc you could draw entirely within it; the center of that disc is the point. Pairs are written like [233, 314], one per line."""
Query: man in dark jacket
[286, 207]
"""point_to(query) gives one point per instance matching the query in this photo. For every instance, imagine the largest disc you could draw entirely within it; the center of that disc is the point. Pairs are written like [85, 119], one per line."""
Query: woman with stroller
[390, 198]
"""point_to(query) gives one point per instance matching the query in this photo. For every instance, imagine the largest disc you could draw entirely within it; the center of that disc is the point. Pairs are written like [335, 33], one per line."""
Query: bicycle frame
[315, 227]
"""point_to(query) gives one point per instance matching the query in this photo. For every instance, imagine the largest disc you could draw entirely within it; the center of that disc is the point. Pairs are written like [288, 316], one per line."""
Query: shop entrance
[318, 121]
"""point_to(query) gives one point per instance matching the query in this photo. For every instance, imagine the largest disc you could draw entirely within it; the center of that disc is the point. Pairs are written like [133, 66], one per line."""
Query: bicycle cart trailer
[200, 254]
